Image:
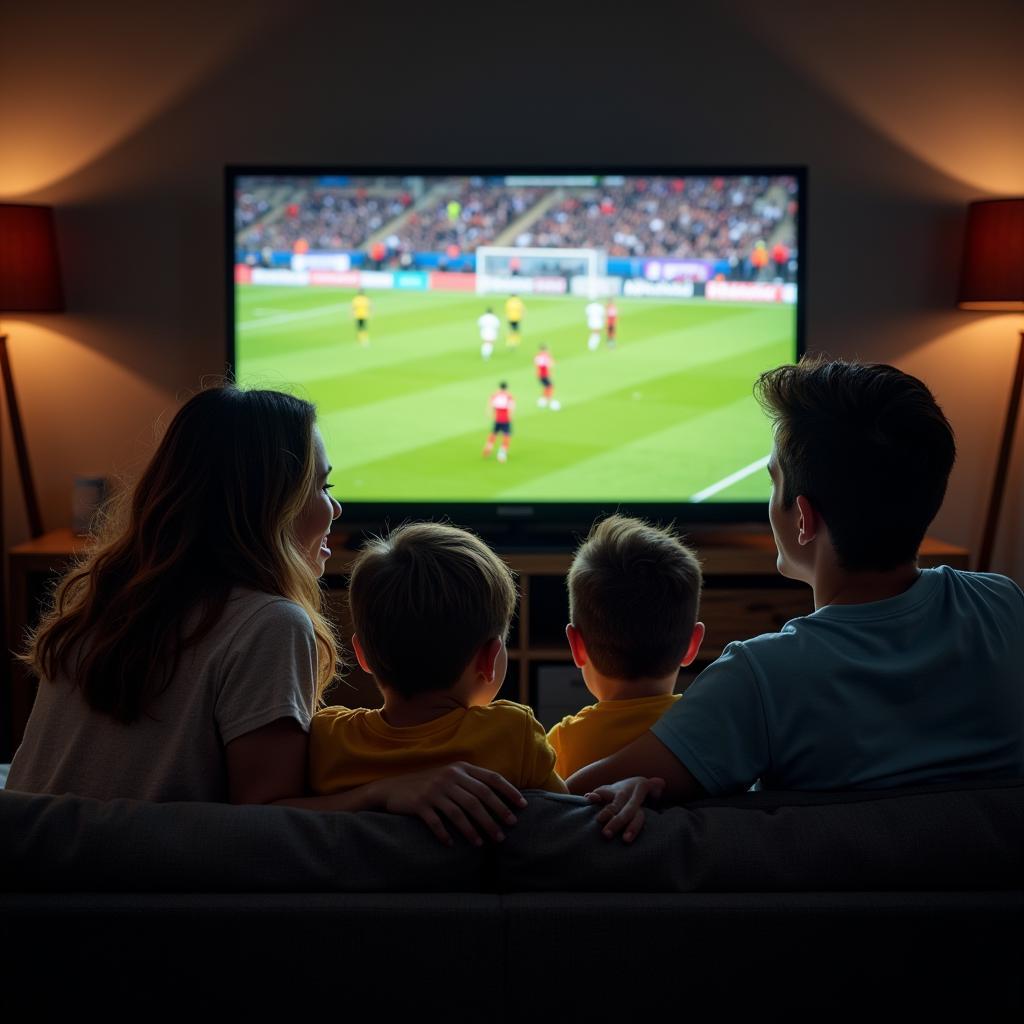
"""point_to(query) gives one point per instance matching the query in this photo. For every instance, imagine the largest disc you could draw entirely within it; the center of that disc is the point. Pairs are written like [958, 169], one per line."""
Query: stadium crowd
[257, 201]
[325, 218]
[471, 216]
[697, 219]
[744, 223]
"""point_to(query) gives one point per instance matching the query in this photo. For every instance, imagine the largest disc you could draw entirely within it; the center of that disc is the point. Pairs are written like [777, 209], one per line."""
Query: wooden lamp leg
[35, 521]
[1002, 466]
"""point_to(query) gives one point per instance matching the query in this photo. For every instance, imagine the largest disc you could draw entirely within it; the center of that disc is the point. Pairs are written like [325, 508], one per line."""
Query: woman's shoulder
[257, 612]
[244, 603]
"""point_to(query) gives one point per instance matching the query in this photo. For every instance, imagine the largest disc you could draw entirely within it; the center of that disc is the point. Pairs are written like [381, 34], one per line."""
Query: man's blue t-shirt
[924, 687]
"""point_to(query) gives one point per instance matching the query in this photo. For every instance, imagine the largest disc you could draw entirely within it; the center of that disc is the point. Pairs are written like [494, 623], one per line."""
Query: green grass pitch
[665, 415]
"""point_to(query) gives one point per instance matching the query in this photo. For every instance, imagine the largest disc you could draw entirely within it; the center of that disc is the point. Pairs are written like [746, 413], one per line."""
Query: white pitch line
[284, 318]
[730, 479]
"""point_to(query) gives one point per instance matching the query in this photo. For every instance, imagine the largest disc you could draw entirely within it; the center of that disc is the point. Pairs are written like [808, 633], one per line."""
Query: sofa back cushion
[69, 843]
[967, 837]
[963, 836]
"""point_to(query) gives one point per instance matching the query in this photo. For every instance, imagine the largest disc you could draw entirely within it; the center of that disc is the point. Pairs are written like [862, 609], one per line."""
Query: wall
[123, 117]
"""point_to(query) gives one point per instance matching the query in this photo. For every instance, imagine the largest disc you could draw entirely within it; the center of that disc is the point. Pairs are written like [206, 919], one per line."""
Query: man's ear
[576, 645]
[696, 638]
[487, 658]
[360, 655]
[808, 521]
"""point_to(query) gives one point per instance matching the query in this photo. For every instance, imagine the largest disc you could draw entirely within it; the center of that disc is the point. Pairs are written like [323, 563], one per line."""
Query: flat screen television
[517, 347]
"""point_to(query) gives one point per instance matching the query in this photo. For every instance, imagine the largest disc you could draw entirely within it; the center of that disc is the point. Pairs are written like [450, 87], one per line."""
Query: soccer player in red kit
[544, 363]
[502, 404]
[611, 320]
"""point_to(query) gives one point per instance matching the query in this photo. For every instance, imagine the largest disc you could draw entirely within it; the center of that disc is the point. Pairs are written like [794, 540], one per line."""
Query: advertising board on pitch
[664, 269]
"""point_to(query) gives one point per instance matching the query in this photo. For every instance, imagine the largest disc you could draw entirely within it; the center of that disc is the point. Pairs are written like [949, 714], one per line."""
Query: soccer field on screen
[667, 415]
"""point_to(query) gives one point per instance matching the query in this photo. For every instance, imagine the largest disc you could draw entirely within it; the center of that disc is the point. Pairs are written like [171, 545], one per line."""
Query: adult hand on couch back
[472, 799]
[625, 802]
[643, 769]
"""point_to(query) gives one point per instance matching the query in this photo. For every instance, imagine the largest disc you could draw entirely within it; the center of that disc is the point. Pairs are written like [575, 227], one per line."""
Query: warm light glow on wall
[945, 85]
[63, 379]
[69, 101]
[969, 368]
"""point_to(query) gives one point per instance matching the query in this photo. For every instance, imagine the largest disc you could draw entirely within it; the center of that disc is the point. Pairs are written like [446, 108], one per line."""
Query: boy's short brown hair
[868, 446]
[634, 592]
[424, 600]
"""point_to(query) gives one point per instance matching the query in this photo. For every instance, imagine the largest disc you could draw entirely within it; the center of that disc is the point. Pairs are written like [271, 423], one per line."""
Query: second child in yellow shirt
[634, 591]
[361, 315]
[431, 607]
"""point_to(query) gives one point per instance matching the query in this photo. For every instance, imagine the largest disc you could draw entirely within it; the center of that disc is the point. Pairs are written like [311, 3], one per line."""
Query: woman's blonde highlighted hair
[215, 509]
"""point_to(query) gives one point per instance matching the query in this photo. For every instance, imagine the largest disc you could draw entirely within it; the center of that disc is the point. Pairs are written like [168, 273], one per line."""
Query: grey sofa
[894, 904]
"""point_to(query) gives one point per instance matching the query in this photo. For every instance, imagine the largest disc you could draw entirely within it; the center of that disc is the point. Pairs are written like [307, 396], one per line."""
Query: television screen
[524, 343]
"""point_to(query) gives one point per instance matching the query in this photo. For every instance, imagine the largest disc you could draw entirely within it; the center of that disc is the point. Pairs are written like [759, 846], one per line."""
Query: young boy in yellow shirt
[634, 591]
[431, 607]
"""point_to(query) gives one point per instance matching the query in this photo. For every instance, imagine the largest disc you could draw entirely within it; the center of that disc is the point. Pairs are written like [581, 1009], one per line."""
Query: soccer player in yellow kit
[514, 310]
[361, 315]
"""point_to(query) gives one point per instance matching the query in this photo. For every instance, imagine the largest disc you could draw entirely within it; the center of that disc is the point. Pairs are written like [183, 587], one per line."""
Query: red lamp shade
[29, 267]
[992, 273]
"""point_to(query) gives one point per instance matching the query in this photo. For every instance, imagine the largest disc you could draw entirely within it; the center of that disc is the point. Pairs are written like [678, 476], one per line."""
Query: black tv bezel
[550, 523]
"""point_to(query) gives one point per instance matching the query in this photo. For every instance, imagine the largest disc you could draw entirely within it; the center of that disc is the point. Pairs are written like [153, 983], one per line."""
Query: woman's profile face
[314, 522]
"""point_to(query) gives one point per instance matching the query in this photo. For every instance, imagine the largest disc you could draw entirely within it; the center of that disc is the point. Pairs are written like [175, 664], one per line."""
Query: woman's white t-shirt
[258, 664]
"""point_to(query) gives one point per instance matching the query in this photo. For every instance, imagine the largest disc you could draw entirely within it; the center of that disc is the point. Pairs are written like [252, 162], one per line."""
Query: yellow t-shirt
[352, 746]
[514, 310]
[361, 308]
[603, 728]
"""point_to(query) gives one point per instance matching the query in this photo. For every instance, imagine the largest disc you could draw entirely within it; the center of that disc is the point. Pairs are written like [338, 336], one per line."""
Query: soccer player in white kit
[595, 323]
[490, 327]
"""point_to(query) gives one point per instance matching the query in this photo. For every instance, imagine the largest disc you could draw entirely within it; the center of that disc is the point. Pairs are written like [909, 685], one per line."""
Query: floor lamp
[29, 283]
[992, 278]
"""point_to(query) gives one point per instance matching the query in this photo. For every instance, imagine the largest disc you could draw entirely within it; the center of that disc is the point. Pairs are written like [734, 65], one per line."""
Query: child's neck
[401, 712]
[610, 688]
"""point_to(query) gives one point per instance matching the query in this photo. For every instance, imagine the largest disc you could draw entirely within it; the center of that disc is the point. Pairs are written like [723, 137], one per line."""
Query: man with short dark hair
[900, 676]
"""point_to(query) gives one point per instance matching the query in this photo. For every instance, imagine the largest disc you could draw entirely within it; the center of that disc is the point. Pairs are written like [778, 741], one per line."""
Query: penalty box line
[729, 480]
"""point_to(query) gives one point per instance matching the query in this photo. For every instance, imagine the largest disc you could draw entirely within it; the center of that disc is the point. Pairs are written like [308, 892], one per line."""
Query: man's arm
[719, 726]
[656, 773]
[647, 757]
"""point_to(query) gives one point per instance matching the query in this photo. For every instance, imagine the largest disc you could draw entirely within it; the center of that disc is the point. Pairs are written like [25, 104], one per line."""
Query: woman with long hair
[183, 657]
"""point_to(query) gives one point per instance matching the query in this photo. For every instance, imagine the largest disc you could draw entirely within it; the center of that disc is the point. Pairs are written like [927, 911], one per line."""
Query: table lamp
[29, 283]
[992, 278]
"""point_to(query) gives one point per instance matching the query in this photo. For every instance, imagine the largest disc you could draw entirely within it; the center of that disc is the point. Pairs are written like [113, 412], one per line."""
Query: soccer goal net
[509, 270]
